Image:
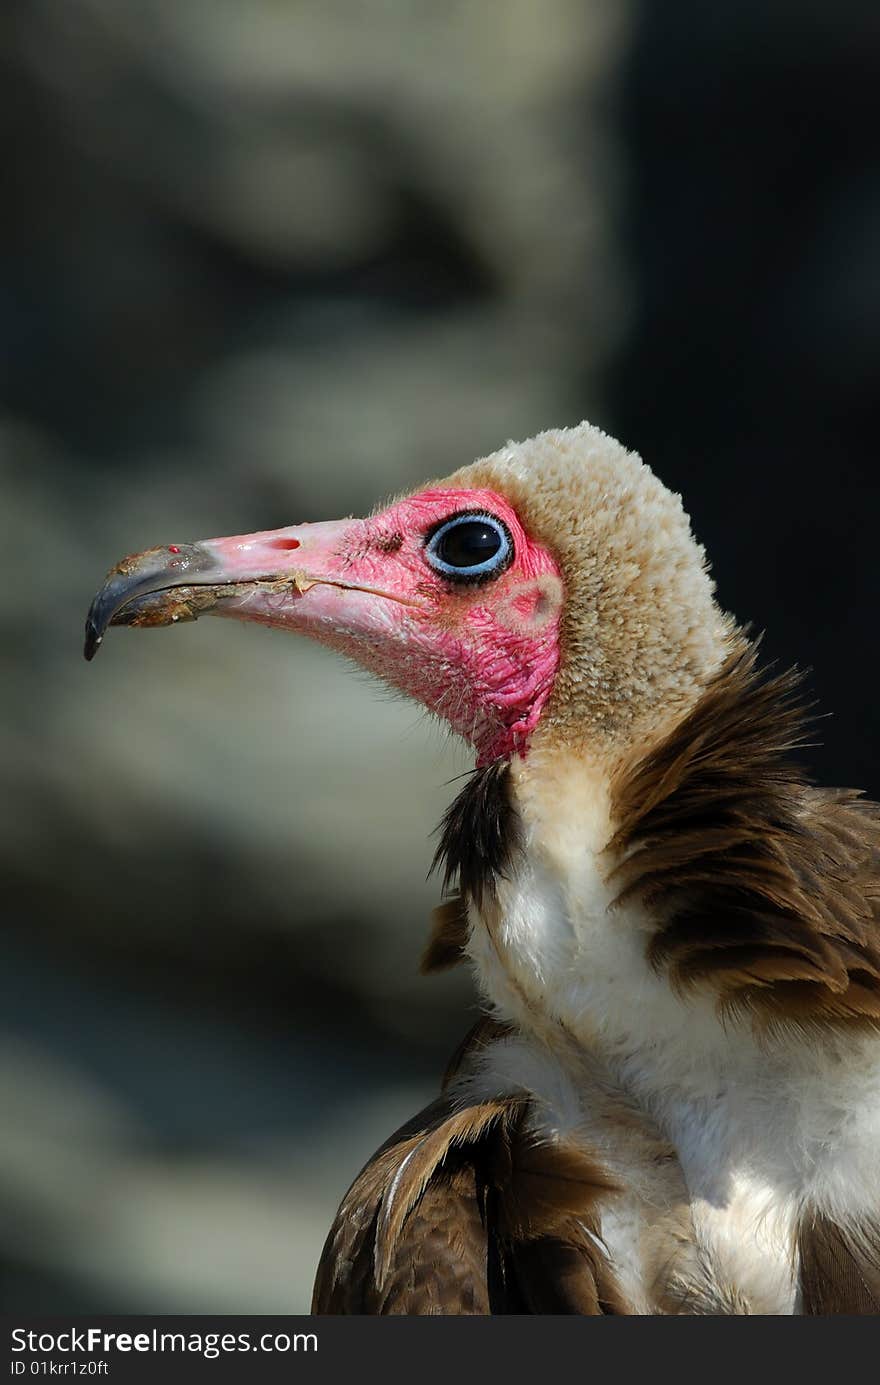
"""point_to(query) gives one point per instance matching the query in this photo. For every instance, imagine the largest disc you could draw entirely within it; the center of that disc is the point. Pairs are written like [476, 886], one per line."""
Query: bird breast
[722, 1139]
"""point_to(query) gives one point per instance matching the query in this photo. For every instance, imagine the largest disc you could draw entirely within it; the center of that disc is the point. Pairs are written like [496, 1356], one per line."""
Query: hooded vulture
[672, 1102]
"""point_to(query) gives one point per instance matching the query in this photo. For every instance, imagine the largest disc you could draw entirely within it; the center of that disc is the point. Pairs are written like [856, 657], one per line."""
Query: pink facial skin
[482, 655]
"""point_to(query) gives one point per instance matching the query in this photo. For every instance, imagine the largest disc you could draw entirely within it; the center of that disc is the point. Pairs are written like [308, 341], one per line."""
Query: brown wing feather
[840, 1270]
[768, 890]
[437, 1265]
[449, 935]
[561, 1277]
[465, 1211]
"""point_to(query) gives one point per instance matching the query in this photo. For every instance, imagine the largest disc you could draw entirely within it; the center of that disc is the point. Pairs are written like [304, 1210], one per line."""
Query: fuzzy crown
[641, 632]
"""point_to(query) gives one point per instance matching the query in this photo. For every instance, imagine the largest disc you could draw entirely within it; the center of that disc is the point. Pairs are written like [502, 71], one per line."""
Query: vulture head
[552, 592]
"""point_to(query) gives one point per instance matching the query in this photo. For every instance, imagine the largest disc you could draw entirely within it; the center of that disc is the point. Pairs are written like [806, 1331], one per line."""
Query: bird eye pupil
[470, 547]
[469, 544]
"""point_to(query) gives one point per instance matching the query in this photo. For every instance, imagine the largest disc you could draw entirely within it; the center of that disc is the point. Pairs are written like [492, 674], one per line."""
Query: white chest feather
[763, 1131]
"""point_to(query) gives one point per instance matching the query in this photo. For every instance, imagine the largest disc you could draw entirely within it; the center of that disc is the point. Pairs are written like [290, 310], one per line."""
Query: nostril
[283, 545]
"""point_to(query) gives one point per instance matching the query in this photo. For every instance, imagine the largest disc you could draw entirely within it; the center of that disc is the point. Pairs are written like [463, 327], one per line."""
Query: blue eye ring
[450, 564]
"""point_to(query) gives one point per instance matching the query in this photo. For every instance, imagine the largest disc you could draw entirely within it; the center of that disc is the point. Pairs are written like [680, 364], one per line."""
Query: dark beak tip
[148, 574]
[93, 641]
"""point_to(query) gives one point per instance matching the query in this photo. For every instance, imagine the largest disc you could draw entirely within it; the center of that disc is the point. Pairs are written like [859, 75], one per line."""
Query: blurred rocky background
[271, 262]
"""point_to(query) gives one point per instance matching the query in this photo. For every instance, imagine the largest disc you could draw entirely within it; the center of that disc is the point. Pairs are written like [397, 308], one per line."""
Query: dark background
[267, 263]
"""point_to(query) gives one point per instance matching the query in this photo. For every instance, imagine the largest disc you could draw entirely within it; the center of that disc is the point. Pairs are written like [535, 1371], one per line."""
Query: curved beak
[182, 581]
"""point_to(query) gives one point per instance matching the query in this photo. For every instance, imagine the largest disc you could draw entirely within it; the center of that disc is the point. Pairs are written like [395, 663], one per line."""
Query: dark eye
[470, 546]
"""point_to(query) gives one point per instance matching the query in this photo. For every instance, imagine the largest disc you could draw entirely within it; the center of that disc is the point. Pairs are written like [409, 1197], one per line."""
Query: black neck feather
[479, 835]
